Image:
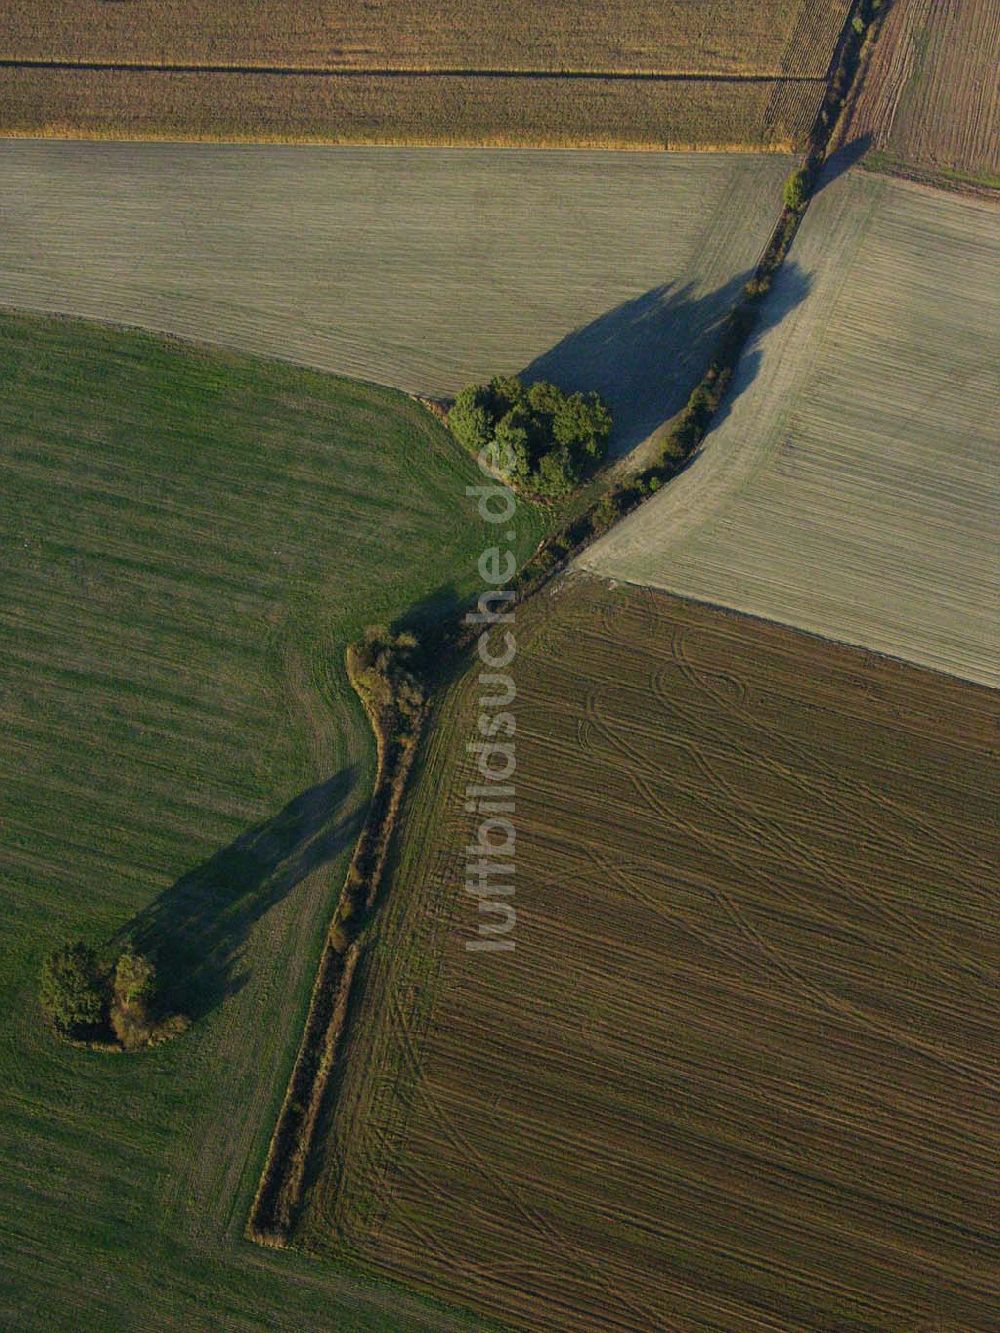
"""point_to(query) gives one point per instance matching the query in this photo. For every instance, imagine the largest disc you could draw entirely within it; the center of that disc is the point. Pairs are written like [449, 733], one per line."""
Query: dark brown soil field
[739, 1070]
[509, 111]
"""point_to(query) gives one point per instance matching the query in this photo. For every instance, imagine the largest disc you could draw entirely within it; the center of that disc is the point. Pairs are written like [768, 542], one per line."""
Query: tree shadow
[443, 604]
[196, 930]
[644, 356]
[791, 286]
[847, 156]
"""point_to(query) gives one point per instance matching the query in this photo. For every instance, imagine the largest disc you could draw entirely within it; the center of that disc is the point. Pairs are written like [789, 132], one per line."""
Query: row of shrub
[381, 669]
[693, 423]
[539, 439]
[111, 1003]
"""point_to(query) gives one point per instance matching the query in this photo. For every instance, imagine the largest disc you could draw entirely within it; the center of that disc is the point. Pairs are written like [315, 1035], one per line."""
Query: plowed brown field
[930, 97]
[740, 1069]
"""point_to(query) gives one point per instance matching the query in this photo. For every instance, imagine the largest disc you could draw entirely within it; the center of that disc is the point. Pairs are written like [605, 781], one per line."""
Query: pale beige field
[853, 486]
[419, 269]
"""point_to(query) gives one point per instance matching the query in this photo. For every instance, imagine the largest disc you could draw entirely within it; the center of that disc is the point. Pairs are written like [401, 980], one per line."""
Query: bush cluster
[110, 1004]
[383, 664]
[537, 437]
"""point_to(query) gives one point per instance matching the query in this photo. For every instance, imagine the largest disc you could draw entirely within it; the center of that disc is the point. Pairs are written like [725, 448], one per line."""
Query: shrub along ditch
[380, 671]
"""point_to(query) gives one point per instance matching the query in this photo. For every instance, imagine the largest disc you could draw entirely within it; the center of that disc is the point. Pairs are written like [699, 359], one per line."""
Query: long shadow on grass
[442, 605]
[196, 931]
[644, 356]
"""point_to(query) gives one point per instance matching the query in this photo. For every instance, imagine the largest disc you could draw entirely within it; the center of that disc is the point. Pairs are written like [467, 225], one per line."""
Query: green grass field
[191, 538]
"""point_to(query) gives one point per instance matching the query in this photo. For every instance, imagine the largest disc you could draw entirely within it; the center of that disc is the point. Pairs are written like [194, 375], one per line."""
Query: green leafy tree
[583, 421]
[504, 393]
[797, 190]
[135, 978]
[133, 990]
[471, 420]
[512, 442]
[556, 474]
[539, 437]
[544, 401]
[71, 992]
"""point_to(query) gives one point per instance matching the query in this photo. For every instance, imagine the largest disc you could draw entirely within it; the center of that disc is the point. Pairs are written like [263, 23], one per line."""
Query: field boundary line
[400, 71]
[279, 1194]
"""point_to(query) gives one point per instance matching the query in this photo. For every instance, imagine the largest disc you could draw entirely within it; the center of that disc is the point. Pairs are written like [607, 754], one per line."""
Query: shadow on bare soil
[644, 356]
[791, 287]
[196, 930]
[847, 156]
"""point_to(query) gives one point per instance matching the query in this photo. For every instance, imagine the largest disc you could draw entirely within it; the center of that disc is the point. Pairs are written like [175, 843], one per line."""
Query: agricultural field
[423, 270]
[739, 1069]
[775, 37]
[190, 537]
[929, 102]
[711, 74]
[505, 111]
[852, 486]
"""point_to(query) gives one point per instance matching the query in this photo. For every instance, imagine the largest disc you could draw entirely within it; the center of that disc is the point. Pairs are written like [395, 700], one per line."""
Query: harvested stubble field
[190, 540]
[420, 269]
[458, 110]
[775, 37]
[929, 101]
[852, 487]
[740, 1069]
[311, 72]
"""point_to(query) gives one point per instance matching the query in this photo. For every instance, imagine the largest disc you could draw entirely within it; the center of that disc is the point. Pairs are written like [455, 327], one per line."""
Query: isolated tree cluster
[111, 1004]
[538, 438]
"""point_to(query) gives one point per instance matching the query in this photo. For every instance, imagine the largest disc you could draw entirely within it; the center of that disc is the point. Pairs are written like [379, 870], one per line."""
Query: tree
[513, 447]
[505, 392]
[71, 992]
[470, 420]
[556, 474]
[134, 981]
[135, 977]
[544, 401]
[583, 421]
[797, 190]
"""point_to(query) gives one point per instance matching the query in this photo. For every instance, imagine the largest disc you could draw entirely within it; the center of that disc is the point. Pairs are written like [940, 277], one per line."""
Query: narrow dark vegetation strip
[379, 671]
[394, 675]
[556, 551]
[396, 72]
